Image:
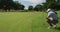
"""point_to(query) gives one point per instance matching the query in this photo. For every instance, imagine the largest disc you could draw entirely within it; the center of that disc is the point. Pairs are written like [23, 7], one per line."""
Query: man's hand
[47, 17]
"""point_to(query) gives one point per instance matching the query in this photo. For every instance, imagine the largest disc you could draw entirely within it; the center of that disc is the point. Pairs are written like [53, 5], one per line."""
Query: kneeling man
[52, 18]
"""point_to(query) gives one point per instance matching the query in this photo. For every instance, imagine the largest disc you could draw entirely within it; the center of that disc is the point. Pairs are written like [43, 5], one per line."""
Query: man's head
[48, 10]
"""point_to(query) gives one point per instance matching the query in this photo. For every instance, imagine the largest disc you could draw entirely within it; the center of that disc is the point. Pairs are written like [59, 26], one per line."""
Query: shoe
[49, 27]
[54, 26]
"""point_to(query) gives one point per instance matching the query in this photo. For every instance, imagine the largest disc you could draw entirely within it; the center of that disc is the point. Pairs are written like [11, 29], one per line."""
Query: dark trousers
[52, 22]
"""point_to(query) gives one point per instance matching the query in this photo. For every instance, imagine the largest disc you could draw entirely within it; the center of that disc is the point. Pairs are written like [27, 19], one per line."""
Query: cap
[48, 10]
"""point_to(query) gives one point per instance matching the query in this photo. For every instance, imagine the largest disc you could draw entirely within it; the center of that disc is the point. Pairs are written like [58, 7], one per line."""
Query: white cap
[48, 10]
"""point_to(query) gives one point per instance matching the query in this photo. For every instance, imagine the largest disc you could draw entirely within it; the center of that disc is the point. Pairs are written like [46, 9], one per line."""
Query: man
[52, 18]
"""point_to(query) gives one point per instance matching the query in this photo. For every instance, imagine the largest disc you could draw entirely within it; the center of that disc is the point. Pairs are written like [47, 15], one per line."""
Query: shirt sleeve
[49, 14]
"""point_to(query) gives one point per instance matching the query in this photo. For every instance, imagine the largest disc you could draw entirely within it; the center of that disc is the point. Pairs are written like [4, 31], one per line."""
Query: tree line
[54, 4]
[15, 5]
[10, 4]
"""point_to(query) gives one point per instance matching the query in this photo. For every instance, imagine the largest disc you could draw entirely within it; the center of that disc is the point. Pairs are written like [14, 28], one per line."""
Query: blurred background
[29, 5]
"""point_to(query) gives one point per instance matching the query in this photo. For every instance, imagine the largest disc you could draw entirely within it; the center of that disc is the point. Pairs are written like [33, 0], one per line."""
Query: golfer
[52, 18]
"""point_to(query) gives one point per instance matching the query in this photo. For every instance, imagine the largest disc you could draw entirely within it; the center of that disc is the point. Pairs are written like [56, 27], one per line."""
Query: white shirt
[53, 15]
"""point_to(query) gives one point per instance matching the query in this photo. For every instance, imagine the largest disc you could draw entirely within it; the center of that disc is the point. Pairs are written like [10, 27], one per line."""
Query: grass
[25, 22]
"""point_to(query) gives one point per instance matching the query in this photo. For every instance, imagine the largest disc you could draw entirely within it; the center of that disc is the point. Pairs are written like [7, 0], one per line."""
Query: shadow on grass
[58, 28]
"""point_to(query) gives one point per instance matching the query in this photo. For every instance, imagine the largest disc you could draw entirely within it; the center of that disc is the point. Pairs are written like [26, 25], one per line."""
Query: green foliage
[10, 4]
[30, 8]
[48, 4]
[38, 7]
[52, 4]
[18, 6]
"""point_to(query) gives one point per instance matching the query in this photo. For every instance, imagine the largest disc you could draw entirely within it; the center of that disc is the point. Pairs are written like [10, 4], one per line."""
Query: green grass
[25, 22]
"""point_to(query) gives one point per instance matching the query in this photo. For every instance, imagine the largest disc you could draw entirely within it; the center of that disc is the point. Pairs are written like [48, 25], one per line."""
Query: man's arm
[49, 14]
[47, 17]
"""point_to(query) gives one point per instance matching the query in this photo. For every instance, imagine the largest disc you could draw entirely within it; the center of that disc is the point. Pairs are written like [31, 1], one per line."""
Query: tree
[22, 7]
[10, 4]
[54, 4]
[18, 6]
[4, 4]
[30, 8]
[38, 7]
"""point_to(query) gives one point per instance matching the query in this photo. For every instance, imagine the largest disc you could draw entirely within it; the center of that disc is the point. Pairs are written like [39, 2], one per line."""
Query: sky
[27, 3]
